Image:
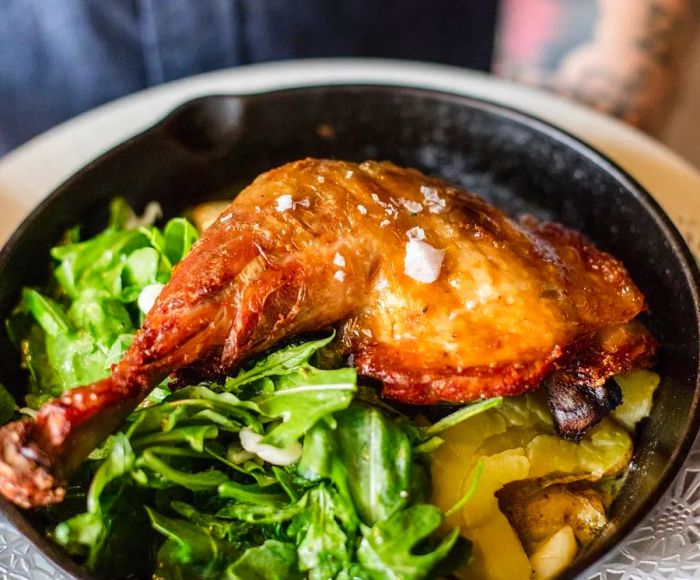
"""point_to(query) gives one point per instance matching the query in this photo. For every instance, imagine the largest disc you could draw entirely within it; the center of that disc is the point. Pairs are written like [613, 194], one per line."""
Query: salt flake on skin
[348, 174]
[338, 260]
[436, 204]
[339, 275]
[320, 178]
[306, 202]
[384, 223]
[412, 206]
[422, 262]
[375, 199]
[362, 209]
[225, 218]
[415, 233]
[284, 202]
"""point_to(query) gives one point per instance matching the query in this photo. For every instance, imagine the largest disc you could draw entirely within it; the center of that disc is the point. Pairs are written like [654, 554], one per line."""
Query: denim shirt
[61, 57]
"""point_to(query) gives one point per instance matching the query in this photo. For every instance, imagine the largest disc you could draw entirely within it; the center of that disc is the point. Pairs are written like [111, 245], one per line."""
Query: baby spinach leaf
[178, 237]
[141, 267]
[273, 560]
[376, 453]
[389, 550]
[318, 453]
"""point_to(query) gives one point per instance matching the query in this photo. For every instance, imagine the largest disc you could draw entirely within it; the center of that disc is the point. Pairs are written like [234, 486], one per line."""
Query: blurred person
[61, 57]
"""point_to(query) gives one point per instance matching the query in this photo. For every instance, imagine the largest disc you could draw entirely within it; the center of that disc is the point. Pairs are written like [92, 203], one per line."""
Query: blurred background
[638, 60]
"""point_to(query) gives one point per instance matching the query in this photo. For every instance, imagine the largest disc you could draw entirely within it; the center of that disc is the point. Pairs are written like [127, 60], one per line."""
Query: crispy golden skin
[320, 243]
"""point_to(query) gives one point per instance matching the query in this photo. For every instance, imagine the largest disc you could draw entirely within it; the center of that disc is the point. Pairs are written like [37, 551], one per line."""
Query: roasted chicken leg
[433, 291]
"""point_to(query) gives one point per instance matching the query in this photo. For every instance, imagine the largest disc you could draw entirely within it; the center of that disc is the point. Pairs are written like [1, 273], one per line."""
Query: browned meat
[581, 393]
[434, 292]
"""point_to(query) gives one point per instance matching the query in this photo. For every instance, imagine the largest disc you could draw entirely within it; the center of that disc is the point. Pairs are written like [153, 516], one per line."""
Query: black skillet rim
[68, 566]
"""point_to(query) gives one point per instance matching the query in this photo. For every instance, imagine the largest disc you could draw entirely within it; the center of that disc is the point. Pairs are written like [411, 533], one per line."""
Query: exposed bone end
[28, 475]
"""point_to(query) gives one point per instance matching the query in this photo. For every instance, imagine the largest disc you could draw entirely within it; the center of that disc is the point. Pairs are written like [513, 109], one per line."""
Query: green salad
[290, 467]
[286, 469]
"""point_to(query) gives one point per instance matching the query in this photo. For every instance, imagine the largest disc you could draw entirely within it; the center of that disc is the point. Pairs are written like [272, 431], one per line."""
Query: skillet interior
[210, 146]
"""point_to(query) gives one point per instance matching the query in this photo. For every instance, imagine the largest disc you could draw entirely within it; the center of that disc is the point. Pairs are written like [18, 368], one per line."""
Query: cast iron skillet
[210, 145]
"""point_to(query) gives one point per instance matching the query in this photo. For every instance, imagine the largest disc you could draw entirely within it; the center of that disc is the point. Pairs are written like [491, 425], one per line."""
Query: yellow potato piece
[452, 462]
[638, 389]
[516, 441]
[497, 554]
[554, 555]
[497, 551]
[605, 451]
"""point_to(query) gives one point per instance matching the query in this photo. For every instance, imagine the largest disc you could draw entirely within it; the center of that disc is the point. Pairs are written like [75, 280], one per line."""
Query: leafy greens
[284, 470]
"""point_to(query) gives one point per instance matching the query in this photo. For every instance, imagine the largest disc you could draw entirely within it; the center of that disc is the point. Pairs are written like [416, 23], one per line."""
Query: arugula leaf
[46, 312]
[321, 541]
[90, 529]
[279, 362]
[273, 560]
[262, 513]
[118, 463]
[187, 542]
[249, 493]
[216, 527]
[463, 414]
[199, 481]
[303, 397]
[388, 550]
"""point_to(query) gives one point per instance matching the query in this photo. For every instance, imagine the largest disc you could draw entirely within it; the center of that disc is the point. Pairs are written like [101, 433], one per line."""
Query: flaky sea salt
[384, 223]
[320, 178]
[412, 206]
[339, 275]
[224, 218]
[348, 174]
[362, 209]
[436, 204]
[305, 201]
[284, 202]
[422, 262]
[415, 233]
[338, 260]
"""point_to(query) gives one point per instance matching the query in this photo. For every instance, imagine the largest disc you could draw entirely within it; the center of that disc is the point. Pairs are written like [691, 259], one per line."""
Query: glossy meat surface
[435, 293]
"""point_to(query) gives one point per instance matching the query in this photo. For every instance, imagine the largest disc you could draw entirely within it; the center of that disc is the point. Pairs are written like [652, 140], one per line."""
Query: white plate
[667, 545]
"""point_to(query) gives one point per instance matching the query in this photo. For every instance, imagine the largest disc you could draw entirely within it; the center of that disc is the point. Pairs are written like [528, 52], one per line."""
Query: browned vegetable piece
[539, 508]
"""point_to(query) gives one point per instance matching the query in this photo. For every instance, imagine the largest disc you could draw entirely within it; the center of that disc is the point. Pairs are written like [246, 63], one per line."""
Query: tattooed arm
[619, 56]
